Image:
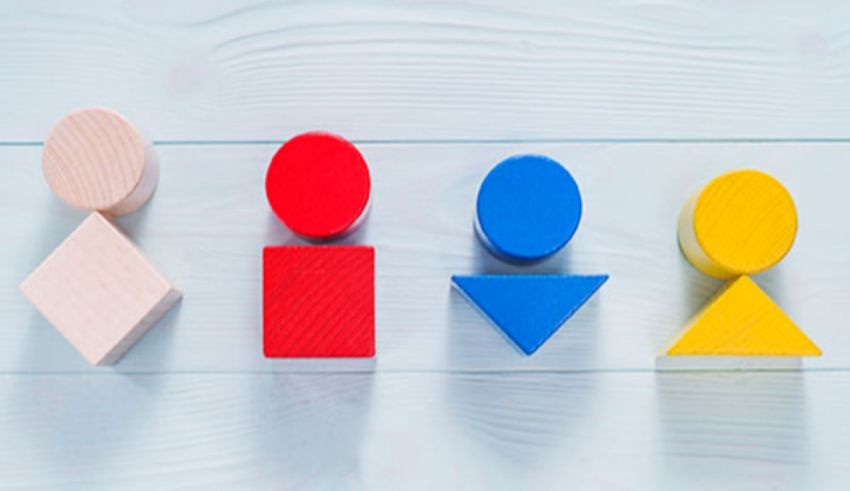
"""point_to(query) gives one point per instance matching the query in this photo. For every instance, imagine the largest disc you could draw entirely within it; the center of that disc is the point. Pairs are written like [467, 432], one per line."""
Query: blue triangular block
[528, 308]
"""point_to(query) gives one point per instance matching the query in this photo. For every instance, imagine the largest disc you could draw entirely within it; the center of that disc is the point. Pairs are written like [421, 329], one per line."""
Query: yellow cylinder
[741, 223]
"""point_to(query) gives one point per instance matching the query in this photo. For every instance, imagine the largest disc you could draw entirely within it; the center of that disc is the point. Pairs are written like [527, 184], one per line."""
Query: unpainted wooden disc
[95, 159]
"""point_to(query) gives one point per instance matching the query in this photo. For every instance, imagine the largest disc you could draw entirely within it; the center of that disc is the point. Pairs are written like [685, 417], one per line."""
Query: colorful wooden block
[741, 320]
[528, 208]
[99, 291]
[318, 301]
[742, 222]
[318, 185]
[95, 159]
[528, 309]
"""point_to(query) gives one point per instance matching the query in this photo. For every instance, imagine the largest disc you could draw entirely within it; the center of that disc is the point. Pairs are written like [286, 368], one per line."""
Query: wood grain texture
[741, 223]
[385, 70]
[741, 320]
[210, 220]
[209, 413]
[99, 291]
[318, 301]
[495, 431]
[96, 160]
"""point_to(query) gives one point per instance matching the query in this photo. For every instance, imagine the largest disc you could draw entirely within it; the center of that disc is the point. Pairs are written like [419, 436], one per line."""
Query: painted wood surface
[207, 230]
[741, 320]
[741, 223]
[447, 403]
[615, 431]
[319, 301]
[385, 70]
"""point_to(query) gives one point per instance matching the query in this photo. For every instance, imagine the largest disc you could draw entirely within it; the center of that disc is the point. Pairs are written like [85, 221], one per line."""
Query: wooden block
[741, 320]
[318, 301]
[318, 184]
[95, 159]
[742, 222]
[528, 208]
[528, 309]
[99, 291]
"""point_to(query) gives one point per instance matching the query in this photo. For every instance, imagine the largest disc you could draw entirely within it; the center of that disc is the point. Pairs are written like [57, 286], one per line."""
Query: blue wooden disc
[528, 208]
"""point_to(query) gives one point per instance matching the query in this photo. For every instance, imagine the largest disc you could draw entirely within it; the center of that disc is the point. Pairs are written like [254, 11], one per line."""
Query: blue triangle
[528, 308]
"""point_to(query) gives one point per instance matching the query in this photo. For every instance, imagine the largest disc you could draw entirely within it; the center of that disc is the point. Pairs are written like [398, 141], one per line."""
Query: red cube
[318, 301]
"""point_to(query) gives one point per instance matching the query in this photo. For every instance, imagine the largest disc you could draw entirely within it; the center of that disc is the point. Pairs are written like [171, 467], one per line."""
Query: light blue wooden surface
[643, 101]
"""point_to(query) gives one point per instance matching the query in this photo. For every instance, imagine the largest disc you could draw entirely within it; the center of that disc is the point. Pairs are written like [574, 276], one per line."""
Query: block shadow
[493, 381]
[711, 421]
[276, 233]
[310, 427]
[521, 417]
[485, 262]
[75, 424]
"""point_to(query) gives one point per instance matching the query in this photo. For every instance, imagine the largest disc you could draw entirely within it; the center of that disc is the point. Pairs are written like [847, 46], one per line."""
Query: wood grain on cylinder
[742, 222]
[95, 159]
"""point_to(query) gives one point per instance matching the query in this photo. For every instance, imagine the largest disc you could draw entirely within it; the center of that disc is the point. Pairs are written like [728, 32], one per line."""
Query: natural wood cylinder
[95, 159]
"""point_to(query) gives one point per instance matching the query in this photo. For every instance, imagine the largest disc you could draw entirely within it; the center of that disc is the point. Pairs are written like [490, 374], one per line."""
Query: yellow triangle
[741, 320]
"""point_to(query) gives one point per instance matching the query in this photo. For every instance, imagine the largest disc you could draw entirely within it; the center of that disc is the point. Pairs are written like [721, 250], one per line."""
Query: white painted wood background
[642, 100]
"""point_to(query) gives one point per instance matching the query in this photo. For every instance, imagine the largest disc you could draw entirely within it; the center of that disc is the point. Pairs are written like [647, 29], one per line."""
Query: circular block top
[318, 185]
[95, 159]
[528, 208]
[742, 222]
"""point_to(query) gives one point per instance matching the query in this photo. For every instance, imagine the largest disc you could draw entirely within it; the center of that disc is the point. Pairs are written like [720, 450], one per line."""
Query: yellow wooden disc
[742, 222]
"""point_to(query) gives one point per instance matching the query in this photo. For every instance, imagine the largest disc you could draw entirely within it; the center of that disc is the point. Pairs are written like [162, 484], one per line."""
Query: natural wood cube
[99, 291]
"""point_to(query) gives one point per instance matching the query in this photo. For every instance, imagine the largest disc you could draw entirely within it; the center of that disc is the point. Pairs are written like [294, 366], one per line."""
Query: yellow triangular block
[741, 320]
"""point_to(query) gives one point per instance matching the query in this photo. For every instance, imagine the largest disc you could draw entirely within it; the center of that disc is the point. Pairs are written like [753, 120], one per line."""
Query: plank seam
[519, 141]
[613, 371]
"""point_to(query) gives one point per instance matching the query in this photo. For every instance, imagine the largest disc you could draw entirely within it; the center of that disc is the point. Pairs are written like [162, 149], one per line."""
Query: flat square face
[318, 301]
[99, 291]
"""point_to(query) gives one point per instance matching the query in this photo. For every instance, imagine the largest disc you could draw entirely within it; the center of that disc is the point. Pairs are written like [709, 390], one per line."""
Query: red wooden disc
[318, 185]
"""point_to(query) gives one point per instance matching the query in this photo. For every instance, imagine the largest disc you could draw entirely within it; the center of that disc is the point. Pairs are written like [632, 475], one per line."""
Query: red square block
[318, 301]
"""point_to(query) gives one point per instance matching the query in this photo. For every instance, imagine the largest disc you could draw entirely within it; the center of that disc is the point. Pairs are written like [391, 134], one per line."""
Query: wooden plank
[383, 70]
[756, 431]
[209, 220]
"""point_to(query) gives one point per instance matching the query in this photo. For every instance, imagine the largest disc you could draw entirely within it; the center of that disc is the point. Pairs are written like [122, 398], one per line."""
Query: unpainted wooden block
[99, 291]
[318, 301]
[95, 159]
